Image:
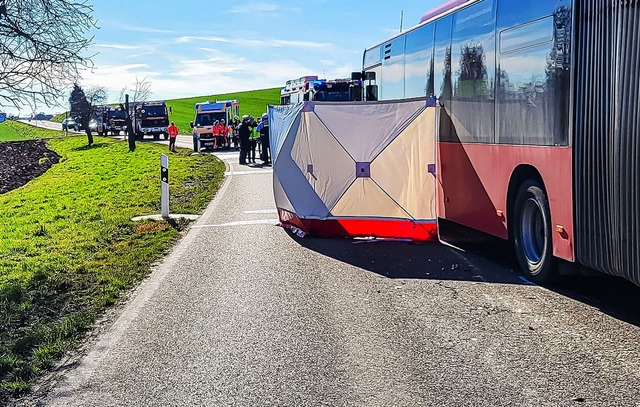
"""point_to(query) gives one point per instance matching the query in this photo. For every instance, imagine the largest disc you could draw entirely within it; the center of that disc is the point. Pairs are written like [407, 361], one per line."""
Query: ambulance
[206, 115]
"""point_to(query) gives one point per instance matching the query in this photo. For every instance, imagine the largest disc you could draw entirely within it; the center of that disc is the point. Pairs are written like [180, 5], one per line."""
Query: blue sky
[192, 48]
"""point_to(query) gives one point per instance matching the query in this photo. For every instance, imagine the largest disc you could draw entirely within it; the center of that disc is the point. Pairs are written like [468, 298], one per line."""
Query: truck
[310, 88]
[150, 118]
[113, 119]
[206, 114]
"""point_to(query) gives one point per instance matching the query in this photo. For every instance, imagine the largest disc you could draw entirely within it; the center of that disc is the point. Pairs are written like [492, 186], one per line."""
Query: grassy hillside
[253, 103]
[68, 247]
[58, 118]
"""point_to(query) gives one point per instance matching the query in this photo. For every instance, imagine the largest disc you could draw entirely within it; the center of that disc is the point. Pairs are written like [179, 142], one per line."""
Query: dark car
[69, 124]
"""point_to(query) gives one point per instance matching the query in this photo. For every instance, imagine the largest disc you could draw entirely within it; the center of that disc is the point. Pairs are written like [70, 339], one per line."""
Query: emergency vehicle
[151, 118]
[310, 88]
[113, 119]
[206, 115]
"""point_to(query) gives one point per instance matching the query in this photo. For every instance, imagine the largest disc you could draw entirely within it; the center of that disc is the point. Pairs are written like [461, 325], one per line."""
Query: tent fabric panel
[365, 199]
[365, 129]
[326, 165]
[281, 120]
[350, 227]
[401, 169]
[280, 196]
[294, 183]
[390, 228]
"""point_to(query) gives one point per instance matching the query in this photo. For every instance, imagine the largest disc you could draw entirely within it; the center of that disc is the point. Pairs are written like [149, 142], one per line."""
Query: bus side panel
[474, 181]
[607, 137]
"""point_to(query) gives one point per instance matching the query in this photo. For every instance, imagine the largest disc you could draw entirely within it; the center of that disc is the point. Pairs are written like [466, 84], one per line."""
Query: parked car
[69, 124]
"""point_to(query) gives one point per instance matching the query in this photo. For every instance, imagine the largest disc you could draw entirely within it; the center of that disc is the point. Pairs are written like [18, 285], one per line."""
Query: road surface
[241, 313]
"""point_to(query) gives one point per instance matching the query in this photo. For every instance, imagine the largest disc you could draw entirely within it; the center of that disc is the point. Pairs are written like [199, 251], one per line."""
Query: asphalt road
[241, 313]
[45, 124]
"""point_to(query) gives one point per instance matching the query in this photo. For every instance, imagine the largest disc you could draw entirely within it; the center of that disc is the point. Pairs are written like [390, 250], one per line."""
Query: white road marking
[242, 223]
[226, 174]
[262, 211]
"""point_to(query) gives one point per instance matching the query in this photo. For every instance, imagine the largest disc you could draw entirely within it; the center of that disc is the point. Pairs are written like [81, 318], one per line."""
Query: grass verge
[26, 132]
[68, 248]
[7, 133]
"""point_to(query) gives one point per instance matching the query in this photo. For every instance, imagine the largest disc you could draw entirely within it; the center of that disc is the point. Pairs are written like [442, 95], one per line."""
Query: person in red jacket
[173, 134]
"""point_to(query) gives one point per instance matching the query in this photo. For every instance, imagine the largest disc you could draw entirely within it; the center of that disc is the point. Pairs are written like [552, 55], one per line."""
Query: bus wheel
[166, 136]
[532, 233]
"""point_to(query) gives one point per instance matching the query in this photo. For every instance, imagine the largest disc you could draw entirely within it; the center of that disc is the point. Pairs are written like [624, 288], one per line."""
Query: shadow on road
[477, 258]
[407, 260]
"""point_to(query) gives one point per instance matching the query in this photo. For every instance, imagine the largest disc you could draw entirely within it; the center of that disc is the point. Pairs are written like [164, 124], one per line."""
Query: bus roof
[440, 11]
[445, 9]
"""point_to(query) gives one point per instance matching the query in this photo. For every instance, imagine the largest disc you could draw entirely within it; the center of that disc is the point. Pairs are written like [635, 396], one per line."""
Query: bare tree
[42, 49]
[123, 92]
[83, 106]
[141, 90]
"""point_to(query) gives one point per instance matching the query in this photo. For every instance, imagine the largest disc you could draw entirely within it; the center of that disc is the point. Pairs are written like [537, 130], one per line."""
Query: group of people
[247, 134]
[250, 133]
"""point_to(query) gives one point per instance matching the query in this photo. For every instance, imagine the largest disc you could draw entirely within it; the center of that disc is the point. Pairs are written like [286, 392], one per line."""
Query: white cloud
[118, 68]
[186, 78]
[192, 38]
[118, 46]
[255, 7]
[254, 42]
[117, 25]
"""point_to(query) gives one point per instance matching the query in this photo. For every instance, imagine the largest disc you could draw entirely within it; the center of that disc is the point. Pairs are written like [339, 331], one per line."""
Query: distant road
[46, 124]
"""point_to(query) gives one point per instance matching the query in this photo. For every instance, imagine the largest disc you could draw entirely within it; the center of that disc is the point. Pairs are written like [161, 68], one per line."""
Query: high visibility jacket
[254, 134]
[172, 130]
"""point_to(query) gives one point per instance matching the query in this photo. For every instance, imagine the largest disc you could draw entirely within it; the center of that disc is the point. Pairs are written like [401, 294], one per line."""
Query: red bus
[539, 123]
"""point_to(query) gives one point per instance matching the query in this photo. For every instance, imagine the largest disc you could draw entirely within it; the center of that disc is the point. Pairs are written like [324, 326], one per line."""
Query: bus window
[391, 79]
[419, 62]
[473, 70]
[442, 76]
[533, 82]
[372, 57]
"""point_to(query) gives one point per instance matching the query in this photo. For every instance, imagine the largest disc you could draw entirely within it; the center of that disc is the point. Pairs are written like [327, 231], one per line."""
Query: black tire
[532, 233]
[166, 136]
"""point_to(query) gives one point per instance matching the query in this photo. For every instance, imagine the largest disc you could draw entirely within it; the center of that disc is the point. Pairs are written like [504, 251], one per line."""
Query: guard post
[164, 177]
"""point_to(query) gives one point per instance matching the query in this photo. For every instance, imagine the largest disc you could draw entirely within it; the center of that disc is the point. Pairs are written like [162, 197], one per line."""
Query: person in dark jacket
[264, 139]
[245, 143]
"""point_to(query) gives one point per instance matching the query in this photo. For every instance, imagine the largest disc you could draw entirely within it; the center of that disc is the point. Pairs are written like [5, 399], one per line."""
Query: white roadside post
[164, 176]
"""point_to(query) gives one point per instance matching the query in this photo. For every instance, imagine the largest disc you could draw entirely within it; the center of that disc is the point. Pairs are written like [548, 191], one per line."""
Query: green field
[253, 103]
[8, 133]
[68, 248]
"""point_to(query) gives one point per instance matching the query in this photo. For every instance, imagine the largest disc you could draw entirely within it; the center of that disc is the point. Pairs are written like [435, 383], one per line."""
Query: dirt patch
[22, 161]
